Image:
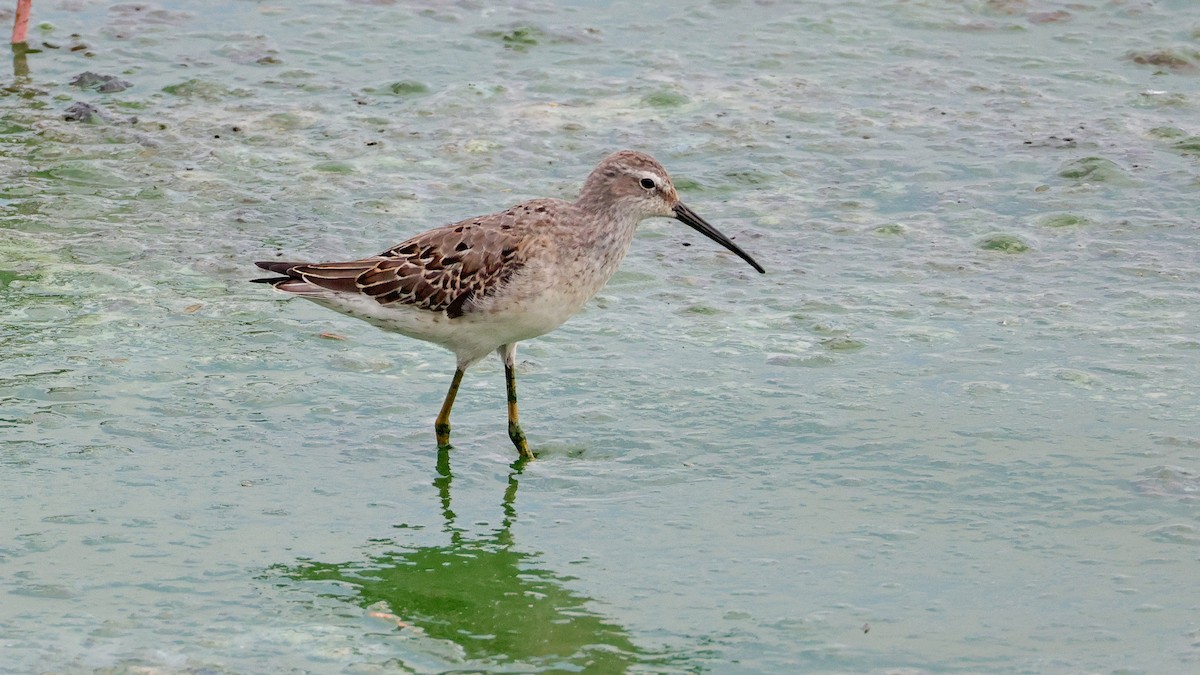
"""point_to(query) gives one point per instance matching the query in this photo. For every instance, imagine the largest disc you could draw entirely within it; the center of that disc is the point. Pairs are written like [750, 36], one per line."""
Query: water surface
[954, 428]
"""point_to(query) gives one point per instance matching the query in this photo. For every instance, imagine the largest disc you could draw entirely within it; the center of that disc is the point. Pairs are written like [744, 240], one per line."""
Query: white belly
[523, 310]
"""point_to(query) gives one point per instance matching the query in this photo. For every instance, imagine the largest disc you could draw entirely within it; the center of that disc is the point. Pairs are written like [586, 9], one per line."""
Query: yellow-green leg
[508, 354]
[441, 425]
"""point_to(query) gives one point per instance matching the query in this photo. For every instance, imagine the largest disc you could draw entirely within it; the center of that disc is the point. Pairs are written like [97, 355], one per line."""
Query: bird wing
[443, 269]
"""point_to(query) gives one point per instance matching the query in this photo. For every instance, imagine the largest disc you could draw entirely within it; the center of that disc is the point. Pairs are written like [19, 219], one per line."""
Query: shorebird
[484, 284]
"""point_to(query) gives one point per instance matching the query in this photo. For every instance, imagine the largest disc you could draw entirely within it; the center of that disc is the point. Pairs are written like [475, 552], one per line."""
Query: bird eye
[648, 183]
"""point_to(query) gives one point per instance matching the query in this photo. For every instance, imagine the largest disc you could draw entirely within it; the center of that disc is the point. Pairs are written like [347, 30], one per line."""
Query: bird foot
[443, 436]
[518, 439]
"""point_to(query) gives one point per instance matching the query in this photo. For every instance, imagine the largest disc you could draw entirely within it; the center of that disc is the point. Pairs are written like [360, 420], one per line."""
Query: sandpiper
[484, 284]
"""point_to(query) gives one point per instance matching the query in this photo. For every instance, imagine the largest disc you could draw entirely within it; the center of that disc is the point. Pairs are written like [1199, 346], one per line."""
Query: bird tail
[292, 282]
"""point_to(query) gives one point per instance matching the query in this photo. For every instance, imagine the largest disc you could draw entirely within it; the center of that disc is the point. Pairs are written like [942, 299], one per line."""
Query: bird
[483, 284]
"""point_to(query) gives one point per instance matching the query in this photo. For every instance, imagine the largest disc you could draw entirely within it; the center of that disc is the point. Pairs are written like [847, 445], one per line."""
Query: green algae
[1004, 243]
[664, 99]
[1064, 220]
[891, 230]
[408, 88]
[1094, 170]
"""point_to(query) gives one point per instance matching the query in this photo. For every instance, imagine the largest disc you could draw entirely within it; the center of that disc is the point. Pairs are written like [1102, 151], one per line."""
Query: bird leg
[508, 354]
[21, 22]
[441, 426]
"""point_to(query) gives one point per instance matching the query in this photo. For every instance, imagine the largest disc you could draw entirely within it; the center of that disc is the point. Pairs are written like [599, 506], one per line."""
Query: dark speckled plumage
[443, 269]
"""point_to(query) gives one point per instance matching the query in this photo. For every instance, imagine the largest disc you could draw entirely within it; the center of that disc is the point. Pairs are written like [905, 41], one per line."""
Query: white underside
[504, 319]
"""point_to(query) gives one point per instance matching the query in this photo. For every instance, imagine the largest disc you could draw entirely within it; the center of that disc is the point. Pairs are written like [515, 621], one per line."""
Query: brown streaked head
[635, 182]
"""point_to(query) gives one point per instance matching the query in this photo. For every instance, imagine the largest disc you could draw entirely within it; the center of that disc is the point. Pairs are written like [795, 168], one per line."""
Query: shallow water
[954, 428]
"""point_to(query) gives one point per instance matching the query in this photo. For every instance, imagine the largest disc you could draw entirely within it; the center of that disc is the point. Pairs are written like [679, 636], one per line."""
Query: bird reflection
[19, 45]
[20, 60]
[485, 596]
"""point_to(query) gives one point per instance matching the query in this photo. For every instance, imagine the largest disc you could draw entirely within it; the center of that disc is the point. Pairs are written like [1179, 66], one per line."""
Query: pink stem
[21, 23]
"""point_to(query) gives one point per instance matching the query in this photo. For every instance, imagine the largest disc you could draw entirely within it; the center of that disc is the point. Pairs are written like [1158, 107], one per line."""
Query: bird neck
[604, 241]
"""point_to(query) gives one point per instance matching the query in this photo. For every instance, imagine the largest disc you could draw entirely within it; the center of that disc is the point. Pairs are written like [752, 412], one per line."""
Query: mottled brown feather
[444, 269]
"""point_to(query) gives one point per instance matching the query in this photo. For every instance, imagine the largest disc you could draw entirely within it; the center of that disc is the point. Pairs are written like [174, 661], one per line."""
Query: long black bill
[689, 217]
